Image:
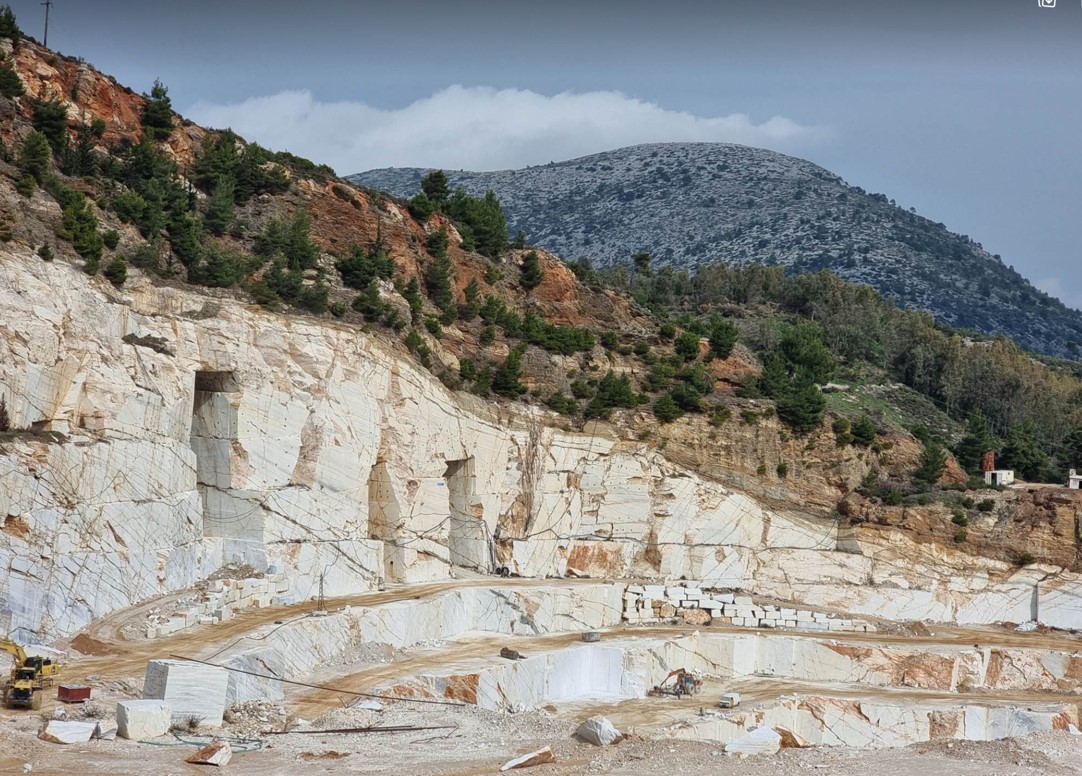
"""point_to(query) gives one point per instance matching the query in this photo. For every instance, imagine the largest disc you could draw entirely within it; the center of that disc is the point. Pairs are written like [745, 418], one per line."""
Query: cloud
[481, 128]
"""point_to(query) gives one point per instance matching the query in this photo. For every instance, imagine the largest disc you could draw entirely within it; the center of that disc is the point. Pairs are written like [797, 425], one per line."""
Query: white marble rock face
[312, 446]
[190, 689]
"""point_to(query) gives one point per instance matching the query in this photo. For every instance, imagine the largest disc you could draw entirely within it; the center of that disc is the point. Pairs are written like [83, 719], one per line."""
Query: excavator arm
[16, 651]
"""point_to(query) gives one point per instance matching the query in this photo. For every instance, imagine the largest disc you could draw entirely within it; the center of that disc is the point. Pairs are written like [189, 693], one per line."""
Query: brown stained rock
[597, 559]
[695, 616]
[540, 757]
[462, 687]
[790, 740]
[215, 753]
[945, 724]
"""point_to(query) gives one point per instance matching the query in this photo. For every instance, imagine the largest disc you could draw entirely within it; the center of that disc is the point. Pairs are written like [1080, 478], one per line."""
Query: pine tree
[532, 274]
[472, 308]
[722, 339]
[158, 112]
[666, 408]
[116, 271]
[5, 418]
[220, 207]
[863, 431]
[505, 381]
[977, 441]
[10, 83]
[933, 460]
[35, 156]
[50, 118]
[436, 188]
[8, 27]
[801, 407]
[687, 346]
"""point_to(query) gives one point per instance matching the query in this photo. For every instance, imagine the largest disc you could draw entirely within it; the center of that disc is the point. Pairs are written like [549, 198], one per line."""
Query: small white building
[1074, 480]
[999, 477]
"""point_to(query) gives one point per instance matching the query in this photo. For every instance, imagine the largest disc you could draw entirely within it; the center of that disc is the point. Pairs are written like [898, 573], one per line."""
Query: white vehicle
[729, 700]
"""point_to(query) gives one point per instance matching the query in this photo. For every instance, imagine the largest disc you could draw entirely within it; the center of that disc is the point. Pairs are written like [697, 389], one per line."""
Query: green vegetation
[157, 116]
[35, 156]
[933, 461]
[10, 83]
[50, 118]
[723, 337]
[8, 27]
[480, 220]
[532, 274]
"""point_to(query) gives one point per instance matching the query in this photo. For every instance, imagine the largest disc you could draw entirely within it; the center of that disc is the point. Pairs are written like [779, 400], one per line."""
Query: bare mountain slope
[692, 203]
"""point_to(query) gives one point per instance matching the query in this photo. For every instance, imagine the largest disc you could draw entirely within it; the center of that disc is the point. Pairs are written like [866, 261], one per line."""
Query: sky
[967, 110]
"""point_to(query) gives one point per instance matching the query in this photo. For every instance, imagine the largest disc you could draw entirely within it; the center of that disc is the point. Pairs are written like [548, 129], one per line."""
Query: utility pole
[321, 604]
[48, 4]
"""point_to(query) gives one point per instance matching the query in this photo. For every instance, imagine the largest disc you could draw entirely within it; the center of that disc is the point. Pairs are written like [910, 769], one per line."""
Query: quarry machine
[29, 676]
[684, 683]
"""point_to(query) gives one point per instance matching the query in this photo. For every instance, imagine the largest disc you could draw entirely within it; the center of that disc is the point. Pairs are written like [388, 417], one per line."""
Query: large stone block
[191, 689]
[143, 720]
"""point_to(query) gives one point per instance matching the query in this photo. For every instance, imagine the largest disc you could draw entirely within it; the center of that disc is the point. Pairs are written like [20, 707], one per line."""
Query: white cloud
[481, 128]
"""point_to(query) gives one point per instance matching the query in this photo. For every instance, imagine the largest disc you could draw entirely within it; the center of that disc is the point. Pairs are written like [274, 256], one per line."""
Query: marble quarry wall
[164, 433]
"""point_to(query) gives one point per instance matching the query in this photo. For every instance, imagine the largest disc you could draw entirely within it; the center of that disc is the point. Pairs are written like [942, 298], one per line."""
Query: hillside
[109, 197]
[693, 203]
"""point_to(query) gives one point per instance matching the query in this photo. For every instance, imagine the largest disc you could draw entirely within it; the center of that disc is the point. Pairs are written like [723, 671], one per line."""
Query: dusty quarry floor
[478, 741]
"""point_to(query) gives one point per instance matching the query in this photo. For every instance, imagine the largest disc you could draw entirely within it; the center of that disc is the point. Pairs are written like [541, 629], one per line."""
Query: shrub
[783, 470]
[467, 370]
[1025, 559]
[417, 345]
[959, 518]
[5, 417]
[116, 271]
[488, 335]
[960, 535]
[45, 252]
[610, 340]
[892, 496]
[26, 186]
[719, 416]
[933, 460]
[986, 505]
[434, 328]
[111, 238]
[842, 432]
[666, 331]
[801, 407]
[565, 405]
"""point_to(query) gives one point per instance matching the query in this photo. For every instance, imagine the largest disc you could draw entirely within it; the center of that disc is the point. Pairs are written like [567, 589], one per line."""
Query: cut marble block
[142, 720]
[191, 689]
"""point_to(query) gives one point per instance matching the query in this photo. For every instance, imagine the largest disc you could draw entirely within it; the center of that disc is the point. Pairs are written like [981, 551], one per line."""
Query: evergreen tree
[411, 292]
[116, 271]
[933, 461]
[81, 227]
[532, 274]
[977, 441]
[1023, 454]
[35, 156]
[438, 274]
[50, 118]
[5, 418]
[472, 307]
[505, 381]
[687, 346]
[1072, 448]
[10, 83]
[666, 409]
[158, 112]
[8, 27]
[436, 188]
[863, 431]
[520, 239]
[723, 337]
[421, 207]
[801, 407]
[220, 207]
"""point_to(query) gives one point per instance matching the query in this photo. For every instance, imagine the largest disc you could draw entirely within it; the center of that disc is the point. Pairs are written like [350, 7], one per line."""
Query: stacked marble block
[657, 603]
[221, 599]
[188, 689]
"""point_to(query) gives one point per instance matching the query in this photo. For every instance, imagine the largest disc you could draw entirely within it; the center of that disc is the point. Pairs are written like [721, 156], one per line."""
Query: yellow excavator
[29, 676]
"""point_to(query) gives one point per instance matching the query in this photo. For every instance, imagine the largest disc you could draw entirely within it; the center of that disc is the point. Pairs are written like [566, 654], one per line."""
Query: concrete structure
[192, 690]
[999, 477]
[1074, 480]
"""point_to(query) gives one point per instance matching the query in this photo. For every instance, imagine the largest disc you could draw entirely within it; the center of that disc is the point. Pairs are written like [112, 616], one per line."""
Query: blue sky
[968, 111]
